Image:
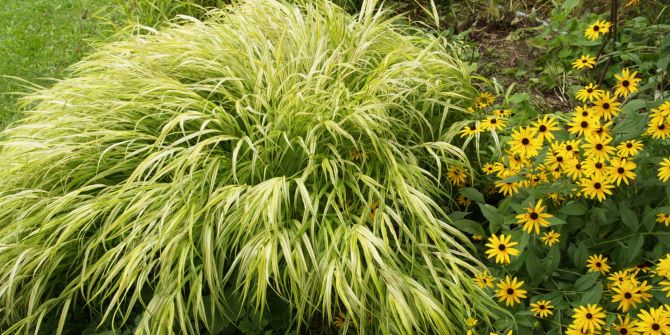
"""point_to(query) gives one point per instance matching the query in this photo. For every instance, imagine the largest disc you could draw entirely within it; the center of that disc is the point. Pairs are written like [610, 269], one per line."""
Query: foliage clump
[269, 150]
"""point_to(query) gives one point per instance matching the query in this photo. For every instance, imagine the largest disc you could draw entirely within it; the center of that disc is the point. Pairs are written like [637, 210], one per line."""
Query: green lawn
[39, 39]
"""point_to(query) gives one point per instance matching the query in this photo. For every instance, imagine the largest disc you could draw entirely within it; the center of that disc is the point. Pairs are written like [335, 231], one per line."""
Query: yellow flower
[589, 93]
[663, 218]
[626, 294]
[470, 130]
[517, 162]
[471, 322]
[596, 187]
[597, 263]
[501, 248]
[663, 267]
[484, 280]
[493, 123]
[507, 188]
[502, 112]
[583, 126]
[550, 238]
[574, 329]
[625, 326]
[491, 168]
[339, 320]
[629, 148]
[593, 168]
[485, 99]
[627, 83]
[575, 169]
[597, 148]
[600, 27]
[632, 3]
[544, 127]
[664, 170]
[555, 159]
[589, 318]
[534, 218]
[524, 142]
[606, 106]
[457, 175]
[584, 61]
[509, 291]
[542, 308]
[658, 128]
[620, 277]
[621, 170]
[654, 322]
[463, 201]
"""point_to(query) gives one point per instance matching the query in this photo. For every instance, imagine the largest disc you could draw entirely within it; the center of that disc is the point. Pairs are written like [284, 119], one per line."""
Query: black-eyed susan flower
[555, 159]
[470, 130]
[524, 142]
[658, 129]
[501, 248]
[541, 308]
[597, 147]
[665, 287]
[583, 126]
[629, 148]
[663, 267]
[575, 169]
[619, 277]
[492, 123]
[492, 168]
[621, 170]
[509, 291]
[463, 201]
[600, 27]
[550, 238]
[625, 326]
[663, 218]
[596, 187]
[655, 321]
[485, 99]
[664, 170]
[597, 263]
[606, 106]
[589, 92]
[516, 161]
[545, 126]
[502, 113]
[626, 294]
[585, 61]
[457, 175]
[484, 279]
[594, 168]
[604, 130]
[339, 320]
[574, 329]
[589, 318]
[627, 83]
[507, 188]
[584, 111]
[534, 218]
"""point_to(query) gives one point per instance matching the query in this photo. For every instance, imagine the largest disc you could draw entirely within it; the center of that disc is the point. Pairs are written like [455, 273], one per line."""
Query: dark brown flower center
[620, 170]
[559, 159]
[655, 326]
[661, 126]
[623, 331]
[578, 166]
[599, 146]
[606, 105]
[510, 291]
[584, 124]
[543, 128]
[584, 61]
[534, 216]
[629, 145]
[598, 264]
[525, 141]
[585, 113]
[597, 186]
[627, 295]
[501, 247]
[596, 28]
[589, 90]
[625, 83]
[493, 121]
[599, 165]
[589, 316]
[568, 147]
[541, 307]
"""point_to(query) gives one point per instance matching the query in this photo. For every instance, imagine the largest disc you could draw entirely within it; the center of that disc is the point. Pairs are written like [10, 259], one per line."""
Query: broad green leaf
[472, 194]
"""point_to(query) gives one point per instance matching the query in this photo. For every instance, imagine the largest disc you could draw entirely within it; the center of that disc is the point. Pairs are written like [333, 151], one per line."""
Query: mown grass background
[39, 39]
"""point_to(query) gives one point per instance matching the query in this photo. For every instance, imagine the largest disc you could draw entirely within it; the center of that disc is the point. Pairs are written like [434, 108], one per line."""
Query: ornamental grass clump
[298, 151]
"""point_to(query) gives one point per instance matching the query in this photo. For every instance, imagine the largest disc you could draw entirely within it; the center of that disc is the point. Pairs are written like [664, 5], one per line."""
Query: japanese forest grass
[270, 148]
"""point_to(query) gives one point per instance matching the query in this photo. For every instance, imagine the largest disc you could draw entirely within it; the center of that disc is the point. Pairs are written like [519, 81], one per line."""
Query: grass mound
[272, 148]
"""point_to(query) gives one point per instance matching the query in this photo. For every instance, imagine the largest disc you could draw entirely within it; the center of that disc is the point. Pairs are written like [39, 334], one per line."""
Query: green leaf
[580, 256]
[634, 247]
[569, 5]
[573, 208]
[593, 295]
[492, 215]
[472, 194]
[469, 226]
[628, 217]
[586, 282]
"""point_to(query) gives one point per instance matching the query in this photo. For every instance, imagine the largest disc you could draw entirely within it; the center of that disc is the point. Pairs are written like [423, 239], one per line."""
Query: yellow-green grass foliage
[272, 147]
